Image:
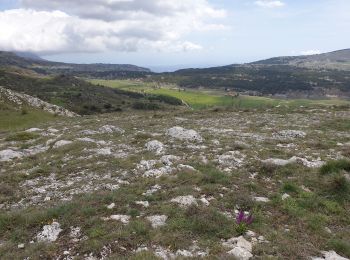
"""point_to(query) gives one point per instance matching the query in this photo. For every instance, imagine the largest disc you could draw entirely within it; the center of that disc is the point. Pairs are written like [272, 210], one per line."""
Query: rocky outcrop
[21, 100]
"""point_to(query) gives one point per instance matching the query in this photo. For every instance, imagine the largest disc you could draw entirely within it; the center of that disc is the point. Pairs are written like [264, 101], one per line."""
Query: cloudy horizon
[160, 33]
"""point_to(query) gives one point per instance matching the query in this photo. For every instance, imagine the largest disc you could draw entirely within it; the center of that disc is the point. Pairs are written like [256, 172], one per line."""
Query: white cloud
[270, 3]
[311, 52]
[58, 26]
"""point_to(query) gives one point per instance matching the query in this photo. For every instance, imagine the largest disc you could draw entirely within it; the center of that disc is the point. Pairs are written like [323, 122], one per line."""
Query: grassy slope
[203, 99]
[11, 119]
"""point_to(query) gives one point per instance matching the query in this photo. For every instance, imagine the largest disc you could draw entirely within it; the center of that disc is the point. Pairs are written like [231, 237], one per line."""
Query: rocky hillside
[82, 97]
[22, 101]
[339, 60]
[262, 184]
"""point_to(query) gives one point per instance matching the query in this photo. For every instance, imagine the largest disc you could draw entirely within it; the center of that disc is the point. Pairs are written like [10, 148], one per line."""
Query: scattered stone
[61, 143]
[205, 201]
[281, 162]
[49, 233]
[185, 201]
[183, 134]
[186, 168]
[125, 219]
[110, 129]
[32, 130]
[261, 199]
[285, 196]
[8, 155]
[287, 134]
[331, 255]
[75, 232]
[231, 160]
[142, 203]
[157, 220]
[240, 248]
[155, 146]
[152, 190]
[111, 206]
[240, 253]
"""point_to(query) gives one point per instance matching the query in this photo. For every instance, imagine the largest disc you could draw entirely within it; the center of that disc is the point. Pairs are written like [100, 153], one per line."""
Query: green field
[198, 99]
[11, 119]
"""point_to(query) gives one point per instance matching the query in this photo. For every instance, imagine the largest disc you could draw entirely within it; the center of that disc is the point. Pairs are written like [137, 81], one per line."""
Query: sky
[169, 34]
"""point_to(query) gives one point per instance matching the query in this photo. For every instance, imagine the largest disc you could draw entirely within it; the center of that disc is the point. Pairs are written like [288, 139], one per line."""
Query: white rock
[152, 190]
[155, 146]
[205, 201]
[61, 143]
[75, 232]
[8, 155]
[281, 162]
[241, 242]
[169, 159]
[285, 134]
[157, 173]
[285, 196]
[32, 130]
[185, 201]
[183, 134]
[142, 203]
[261, 199]
[125, 219]
[184, 253]
[183, 167]
[49, 233]
[157, 220]
[20, 246]
[110, 129]
[240, 253]
[103, 151]
[111, 206]
[232, 159]
[331, 255]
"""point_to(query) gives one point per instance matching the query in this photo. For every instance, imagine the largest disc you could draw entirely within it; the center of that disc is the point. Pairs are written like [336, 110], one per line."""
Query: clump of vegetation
[335, 184]
[243, 221]
[166, 99]
[335, 166]
[22, 136]
[145, 106]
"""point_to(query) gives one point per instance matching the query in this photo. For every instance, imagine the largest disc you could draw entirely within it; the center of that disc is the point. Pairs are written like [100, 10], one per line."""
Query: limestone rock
[49, 233]
[185, 201]
[184, 134]
[157, 220]
[155, 146]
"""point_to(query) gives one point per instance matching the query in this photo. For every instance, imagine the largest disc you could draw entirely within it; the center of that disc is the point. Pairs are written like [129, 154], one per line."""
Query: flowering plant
[243, 221]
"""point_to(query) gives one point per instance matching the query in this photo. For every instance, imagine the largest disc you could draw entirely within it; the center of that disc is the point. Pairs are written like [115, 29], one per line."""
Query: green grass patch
[335, 166]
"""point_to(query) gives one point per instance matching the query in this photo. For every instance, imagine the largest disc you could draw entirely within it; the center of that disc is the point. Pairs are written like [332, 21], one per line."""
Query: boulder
[49, 233]
[184, 134]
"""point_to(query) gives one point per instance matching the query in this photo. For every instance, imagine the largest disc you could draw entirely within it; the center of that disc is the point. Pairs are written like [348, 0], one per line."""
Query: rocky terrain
[168, 185]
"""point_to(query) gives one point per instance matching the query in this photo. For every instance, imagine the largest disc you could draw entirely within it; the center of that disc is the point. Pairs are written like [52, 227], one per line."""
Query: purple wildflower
[243, 219]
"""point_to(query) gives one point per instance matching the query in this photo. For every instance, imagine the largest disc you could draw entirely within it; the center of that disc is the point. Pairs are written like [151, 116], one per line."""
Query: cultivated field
[205, 98]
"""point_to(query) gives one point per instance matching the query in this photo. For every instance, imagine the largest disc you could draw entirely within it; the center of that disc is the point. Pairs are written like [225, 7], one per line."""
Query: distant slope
[33, 62]
[305, 76]
[79, 96]
[332, 60]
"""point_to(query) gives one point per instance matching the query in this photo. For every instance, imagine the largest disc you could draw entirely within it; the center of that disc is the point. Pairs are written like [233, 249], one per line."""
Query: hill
[35, 63]
[80, 96]
[332, 60]
[301, 76]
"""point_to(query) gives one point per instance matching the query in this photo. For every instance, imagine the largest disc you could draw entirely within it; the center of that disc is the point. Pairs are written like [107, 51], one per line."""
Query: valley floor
[168, 185]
